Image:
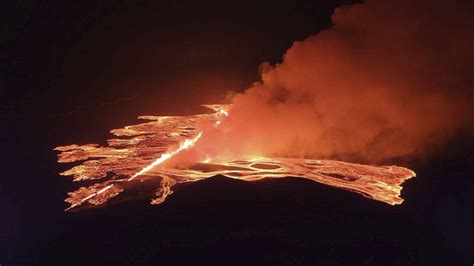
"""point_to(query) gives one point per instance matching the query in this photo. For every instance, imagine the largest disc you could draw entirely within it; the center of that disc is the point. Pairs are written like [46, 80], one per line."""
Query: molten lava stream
[141, 154]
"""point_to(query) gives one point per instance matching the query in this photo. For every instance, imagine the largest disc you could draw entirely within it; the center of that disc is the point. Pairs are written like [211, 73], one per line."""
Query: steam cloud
[389, 79]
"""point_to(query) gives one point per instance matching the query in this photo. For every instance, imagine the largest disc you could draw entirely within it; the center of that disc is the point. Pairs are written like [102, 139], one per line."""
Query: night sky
[71, 71]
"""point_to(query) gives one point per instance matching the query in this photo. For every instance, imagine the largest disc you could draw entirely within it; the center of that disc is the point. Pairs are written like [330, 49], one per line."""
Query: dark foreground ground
[223, 221]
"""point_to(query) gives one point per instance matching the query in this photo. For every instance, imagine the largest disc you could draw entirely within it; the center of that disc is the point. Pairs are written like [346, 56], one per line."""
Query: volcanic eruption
[385, 81]
[146, 154]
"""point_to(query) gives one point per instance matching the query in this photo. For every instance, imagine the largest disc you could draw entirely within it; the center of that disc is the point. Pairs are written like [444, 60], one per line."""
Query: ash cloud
[389, 79]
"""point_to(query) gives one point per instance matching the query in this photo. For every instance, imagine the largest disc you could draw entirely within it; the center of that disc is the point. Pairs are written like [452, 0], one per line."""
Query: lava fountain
[144, 151]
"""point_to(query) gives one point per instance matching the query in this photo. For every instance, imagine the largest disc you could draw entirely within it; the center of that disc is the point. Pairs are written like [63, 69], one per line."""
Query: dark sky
[98, 52]
[72, 70]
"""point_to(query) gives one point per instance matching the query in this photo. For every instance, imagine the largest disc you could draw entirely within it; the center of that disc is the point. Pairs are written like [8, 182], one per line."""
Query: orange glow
[157, 149]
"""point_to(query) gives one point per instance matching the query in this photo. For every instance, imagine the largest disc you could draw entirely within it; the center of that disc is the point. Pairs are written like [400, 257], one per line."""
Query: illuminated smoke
[389, 79]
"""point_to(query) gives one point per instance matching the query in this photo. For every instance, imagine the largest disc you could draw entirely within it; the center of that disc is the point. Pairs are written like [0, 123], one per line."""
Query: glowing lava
[145, 148]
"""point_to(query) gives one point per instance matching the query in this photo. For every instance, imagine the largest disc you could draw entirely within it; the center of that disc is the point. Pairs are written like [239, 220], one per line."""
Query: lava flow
[144, 149]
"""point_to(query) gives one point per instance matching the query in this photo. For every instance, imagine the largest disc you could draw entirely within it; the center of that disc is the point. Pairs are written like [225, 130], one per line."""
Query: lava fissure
[146, 151]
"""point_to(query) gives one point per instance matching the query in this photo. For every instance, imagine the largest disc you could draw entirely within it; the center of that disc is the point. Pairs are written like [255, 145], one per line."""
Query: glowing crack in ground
[143, 148]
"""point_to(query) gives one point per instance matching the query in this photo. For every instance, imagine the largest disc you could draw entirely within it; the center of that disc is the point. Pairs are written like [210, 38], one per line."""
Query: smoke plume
[389, 79]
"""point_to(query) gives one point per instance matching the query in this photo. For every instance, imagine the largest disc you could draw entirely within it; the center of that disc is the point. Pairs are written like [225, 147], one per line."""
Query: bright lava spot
[146, 147]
